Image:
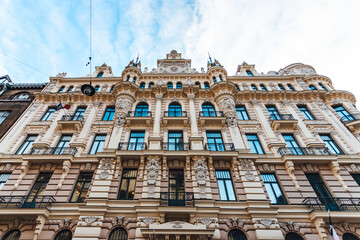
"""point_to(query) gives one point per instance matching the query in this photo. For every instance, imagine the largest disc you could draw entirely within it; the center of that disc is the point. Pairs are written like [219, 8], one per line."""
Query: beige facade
[174, 153]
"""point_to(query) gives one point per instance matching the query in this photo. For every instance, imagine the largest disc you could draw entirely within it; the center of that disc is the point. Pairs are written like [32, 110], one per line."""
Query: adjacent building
[180, 154]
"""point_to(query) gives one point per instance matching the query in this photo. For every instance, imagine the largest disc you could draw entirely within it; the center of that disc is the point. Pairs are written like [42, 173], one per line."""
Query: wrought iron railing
[131, 146]
[171, 146]
[139, 114]
[350, 118]
[177, 199]
[332, 204]
[175, 114]
[53, 151]
[68, 117]
[281, 117]
[304, 151]
[211, 114]
[26, 201]
[219, 147]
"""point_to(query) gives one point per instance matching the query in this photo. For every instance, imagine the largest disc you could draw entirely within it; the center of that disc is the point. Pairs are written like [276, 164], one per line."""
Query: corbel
[188, 171]
[117, 166]
[25, 165]
[211, 168]
[65, 168]
[164, 166]
[290, 169]
[320, 227]
[40, 221]
[335, 169]
[235, 167]
[141, 168]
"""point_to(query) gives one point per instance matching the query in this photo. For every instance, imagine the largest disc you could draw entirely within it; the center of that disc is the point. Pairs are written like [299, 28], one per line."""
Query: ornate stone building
[177, 154]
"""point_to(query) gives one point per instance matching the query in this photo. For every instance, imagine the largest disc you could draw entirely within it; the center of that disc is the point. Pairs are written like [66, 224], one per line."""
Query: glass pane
[270, 193]
[230, 190]
[131, 190]
[123, 188]
[222, 190]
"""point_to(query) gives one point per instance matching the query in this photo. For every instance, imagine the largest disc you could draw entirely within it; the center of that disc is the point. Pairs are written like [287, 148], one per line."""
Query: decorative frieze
[90, 221]
[266, 223]
[152, 173]
[201, 172]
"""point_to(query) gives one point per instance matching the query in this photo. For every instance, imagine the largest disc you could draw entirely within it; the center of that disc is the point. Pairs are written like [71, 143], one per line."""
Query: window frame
[139, 145]
[206, 85]
[109, 113]
[27, 143]
[4, 176]
[178, 85]
[209, 108]
[312, 87]
[253, 146]
[291, 88]
[292, 143]
[225, 184]
[249, 73]
[128, 183]
[333, 143]
[48, 114]
[79, 113]
[60, 235]
[281, 87]
[100, 143]
[271, 187]
[142, 85]
[175, 109]
[213, 142]
[263, 88]
[61, 89]
[344, 114]
[306, 112]
[3, 115]
[242, 113]
[84, 182]
[141, 110]
[71, 87]
[274, 113]
[254, 87]
[170, 85]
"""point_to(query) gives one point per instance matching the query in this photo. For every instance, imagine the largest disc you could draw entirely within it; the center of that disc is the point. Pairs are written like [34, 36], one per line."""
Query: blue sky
[53, 36]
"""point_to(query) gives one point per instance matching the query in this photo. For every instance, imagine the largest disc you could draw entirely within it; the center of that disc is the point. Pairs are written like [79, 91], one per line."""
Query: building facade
[177, 154]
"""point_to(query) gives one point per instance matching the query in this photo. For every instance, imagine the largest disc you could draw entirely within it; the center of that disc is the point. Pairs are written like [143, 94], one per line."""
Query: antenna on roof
[210, 57]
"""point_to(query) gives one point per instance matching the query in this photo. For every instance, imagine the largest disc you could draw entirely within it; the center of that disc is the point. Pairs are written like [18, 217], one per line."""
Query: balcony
[219, 147]
[171, 146]
[26, 201]
[213, 118]
[352, 122]
[317, 151]
[177, 199]
[283, 122]
[131, 146]
[70, 123]
[53, 151]
[139, 118]
[332, 204]
[175, 118]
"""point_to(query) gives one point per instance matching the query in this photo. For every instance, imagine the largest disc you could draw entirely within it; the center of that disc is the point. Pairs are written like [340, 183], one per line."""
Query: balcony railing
[211, 114]
[171, 146]
[177, 199]
[68, 117]
[131, 146]
[350, 118]
[139, 114]
[219, 147]
[26, 201]
[281, 117]
[175, 114]
[319, 151]
[332, 204]
[53, 151]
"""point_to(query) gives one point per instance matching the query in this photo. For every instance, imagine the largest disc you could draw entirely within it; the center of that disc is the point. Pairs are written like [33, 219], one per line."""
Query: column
[155, 140]
[196, 141]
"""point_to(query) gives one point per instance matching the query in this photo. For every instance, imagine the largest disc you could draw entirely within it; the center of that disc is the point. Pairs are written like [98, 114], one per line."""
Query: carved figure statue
[227, 104]
[123, 104]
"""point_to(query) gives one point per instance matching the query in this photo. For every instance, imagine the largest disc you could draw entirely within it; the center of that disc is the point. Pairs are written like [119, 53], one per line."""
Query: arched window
[237, 87]
[142, 85]
[290, 87]
[12, 235]
[128, 78]
[236, 234]
[254, 87]
[64, 235]
[198, 84]
[100, 74]
[150, 84]
[170, 85]
[214, 79]
[141, 110]
[178, 85]
[249, 73]
[281, 87]
[118, 234]
[112, 88]
[208, 110]
[134, 80]
[312, 87]
[70, 88]
[263, 88]
[322, 86]
[174, 110]
[293, 236]
[22, 96]
[220, 77]
[97, 88]
[349, 236]
[206, 85]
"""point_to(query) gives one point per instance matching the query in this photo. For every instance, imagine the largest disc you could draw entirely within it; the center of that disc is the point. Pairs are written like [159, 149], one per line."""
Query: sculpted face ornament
[231, 120]
[120, 120]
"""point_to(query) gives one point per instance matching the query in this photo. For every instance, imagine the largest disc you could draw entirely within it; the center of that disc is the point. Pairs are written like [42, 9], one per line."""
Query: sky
[52, 36]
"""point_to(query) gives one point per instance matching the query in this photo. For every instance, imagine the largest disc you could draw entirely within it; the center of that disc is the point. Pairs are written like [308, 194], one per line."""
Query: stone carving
[227, 104]
[7, 167]
[248, 166]
[236, 222]
[118, 221]
[65, 223]
[160, 82]
[290, 169]
[302, 84]
[290, 226]
[24, 168]
[120, 120]
[88, 220]
[310, 167]
[104, 87]
[65, 168]
[320, 227]
[206, 220]
[63, 74]
[353, 167]
[177, 224]
[335, 169]
[40, 221]
[266, 222]
[147, 220]
[231, 120]
[273, 87]
[105, 167]
[246, 87]
[188, 81]
[123, 104]
[266, 167]
[48, 166]
[201, 171]
[152, 173]
[88, 166]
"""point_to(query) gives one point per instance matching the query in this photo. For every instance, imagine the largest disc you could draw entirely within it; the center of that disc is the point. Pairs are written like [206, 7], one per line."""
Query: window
[312, 87]
[150, 84]
[70, 88]
[241, 112]
[141, 110]
[82, 187]
[237, 88]
[97, 88]
[273, 113]
[254, 87]
[98, 144]
[273, 189]
[4, 115]
[128, 78]
[3, 178]
[61, 89]
[174, 110]
[178, 85]
[344, 114]
[349, 236]
[109, 114]
[127, 185]
[79, 113]
[37, 190]
[292, 144]
[322, 86]
[356, 177]
[12, 235]
[306, 112]
[47, 115]
[142, 85]
[215, 142]
[208, 110]
[62, 144]
[263, 88]
[26, 145]
[206, 85]
[170, 85]
[100, 74]
[198, 84]
[134, 80]
[118, 234]
[281, 87]
[64, 235]
[290, 87]
[254, 143]
[331, 144]
[21, 96]
[225, 185]
[249, 73]
[293, 236]
[214, 80]
[236, 234]
[136, 141]
[220, 77]
[175, 141]
[112, 88]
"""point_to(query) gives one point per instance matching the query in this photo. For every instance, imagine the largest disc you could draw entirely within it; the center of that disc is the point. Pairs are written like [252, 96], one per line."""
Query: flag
[58, 107]
[67, 106]
[332, 229]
